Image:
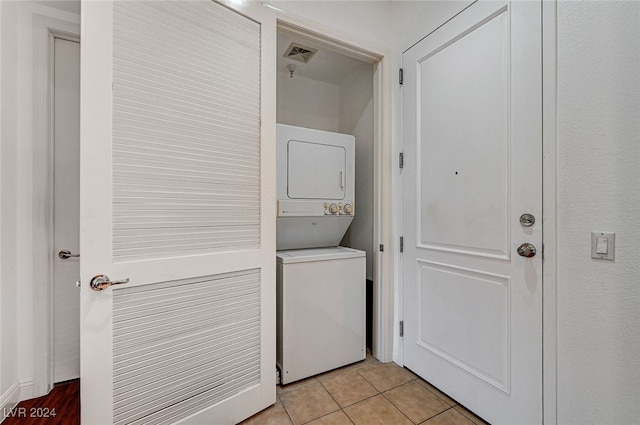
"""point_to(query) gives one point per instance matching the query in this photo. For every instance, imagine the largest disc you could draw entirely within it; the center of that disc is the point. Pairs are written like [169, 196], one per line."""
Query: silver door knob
[102, 281]
[526, 250]
[66, 254]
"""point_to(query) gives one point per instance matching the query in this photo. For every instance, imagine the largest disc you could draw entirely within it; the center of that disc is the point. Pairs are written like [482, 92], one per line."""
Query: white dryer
[315, 187]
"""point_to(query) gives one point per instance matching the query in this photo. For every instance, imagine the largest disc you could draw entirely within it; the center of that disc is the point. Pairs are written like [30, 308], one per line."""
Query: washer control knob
[333, 209]
[348, 208]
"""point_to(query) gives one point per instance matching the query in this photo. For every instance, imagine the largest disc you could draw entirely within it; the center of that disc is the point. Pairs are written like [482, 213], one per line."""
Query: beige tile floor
[365, 393]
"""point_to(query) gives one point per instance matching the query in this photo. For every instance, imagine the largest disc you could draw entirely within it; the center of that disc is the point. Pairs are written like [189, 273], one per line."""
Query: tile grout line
[388, 389]
[382, 394]
[428, 419]
[400, 410]
[335, 401]
[455, 403]
[285, 410]
[473, 419]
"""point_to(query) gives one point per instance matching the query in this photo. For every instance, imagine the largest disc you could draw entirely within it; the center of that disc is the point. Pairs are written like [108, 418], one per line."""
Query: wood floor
[63, 402]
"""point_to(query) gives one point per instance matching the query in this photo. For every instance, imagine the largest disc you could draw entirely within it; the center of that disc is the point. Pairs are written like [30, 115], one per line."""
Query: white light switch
[603, 245]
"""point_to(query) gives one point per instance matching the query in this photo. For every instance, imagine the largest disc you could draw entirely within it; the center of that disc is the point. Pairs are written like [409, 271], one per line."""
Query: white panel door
[177, 196]
[473, 163]
[66, 301]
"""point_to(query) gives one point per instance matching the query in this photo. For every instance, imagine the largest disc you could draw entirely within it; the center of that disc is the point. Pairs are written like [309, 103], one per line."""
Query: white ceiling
[326, 65]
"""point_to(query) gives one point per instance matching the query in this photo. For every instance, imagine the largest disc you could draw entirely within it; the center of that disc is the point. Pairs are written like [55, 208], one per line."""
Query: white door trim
[549, 228]
[383, 262]
[46, 29]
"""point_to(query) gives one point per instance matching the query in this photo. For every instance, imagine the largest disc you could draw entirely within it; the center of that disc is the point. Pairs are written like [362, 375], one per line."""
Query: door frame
[383, 220]
[550, 224]
[46, 30]
[549, 230]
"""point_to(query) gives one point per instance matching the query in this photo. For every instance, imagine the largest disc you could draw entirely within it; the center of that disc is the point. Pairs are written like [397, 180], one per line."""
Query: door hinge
[401, 243]
[401, 160]
[402, 328]
[401, 76]
[381, 247]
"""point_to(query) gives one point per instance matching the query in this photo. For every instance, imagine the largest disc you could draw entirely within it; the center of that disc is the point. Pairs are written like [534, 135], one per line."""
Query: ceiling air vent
[299, 52]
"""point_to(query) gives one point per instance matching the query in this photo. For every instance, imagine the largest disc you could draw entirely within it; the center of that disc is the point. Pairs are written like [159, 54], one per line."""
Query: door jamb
[383, 265]
[46, 30]
[549, 228]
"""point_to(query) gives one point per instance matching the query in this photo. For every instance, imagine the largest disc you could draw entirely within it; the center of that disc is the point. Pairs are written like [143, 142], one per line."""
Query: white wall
[9, 381]
[16, 185]
[414, 20]
[598, 169]
[307, 103]
[356, 117]
[362, 23]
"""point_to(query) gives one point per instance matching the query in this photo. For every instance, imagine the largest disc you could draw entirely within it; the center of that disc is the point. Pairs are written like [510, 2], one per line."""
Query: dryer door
[315, 171]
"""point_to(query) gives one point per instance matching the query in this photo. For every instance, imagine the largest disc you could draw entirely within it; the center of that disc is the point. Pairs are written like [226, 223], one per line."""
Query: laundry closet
[325, 113]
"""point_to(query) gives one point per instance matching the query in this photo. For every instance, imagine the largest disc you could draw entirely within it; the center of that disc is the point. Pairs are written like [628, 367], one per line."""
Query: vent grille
[299, 52]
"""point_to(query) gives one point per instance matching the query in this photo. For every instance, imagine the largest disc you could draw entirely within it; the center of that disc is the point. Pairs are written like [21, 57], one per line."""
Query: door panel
[66, 302]
[177, 196]
[467, 208]
[481, 326]
[473, 151]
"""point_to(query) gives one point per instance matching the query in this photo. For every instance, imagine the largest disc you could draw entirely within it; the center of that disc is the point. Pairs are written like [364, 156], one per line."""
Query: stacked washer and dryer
[320, 285]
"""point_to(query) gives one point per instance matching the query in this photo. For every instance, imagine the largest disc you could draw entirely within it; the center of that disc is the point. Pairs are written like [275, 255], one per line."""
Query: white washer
[320, 310]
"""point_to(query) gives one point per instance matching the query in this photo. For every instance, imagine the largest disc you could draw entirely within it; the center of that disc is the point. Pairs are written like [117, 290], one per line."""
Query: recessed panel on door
[475, 306]
[315, 171]
[464, 142]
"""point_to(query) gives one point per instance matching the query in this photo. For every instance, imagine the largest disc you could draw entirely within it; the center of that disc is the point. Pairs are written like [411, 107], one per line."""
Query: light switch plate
[611, 245]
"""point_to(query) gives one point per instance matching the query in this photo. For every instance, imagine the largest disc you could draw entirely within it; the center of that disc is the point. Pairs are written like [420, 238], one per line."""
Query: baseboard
[9, 400]
[26, 389]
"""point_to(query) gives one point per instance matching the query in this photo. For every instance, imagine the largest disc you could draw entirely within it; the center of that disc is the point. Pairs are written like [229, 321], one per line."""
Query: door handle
[66, 254]
[526, 250]
[102, 281]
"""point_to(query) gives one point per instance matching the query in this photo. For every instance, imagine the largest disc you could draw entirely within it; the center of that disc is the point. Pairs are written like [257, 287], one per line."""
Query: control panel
[340, 208]
[287, 208]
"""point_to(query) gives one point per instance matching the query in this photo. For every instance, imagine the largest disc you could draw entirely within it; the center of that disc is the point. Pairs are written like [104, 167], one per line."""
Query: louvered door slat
[168, 100]
[177, 340]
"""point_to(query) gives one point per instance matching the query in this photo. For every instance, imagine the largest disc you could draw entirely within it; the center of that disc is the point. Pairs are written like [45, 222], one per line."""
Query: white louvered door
[177, 194]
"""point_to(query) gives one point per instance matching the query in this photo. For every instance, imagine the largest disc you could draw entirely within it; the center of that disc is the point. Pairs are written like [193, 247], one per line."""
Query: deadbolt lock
[527, 220]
